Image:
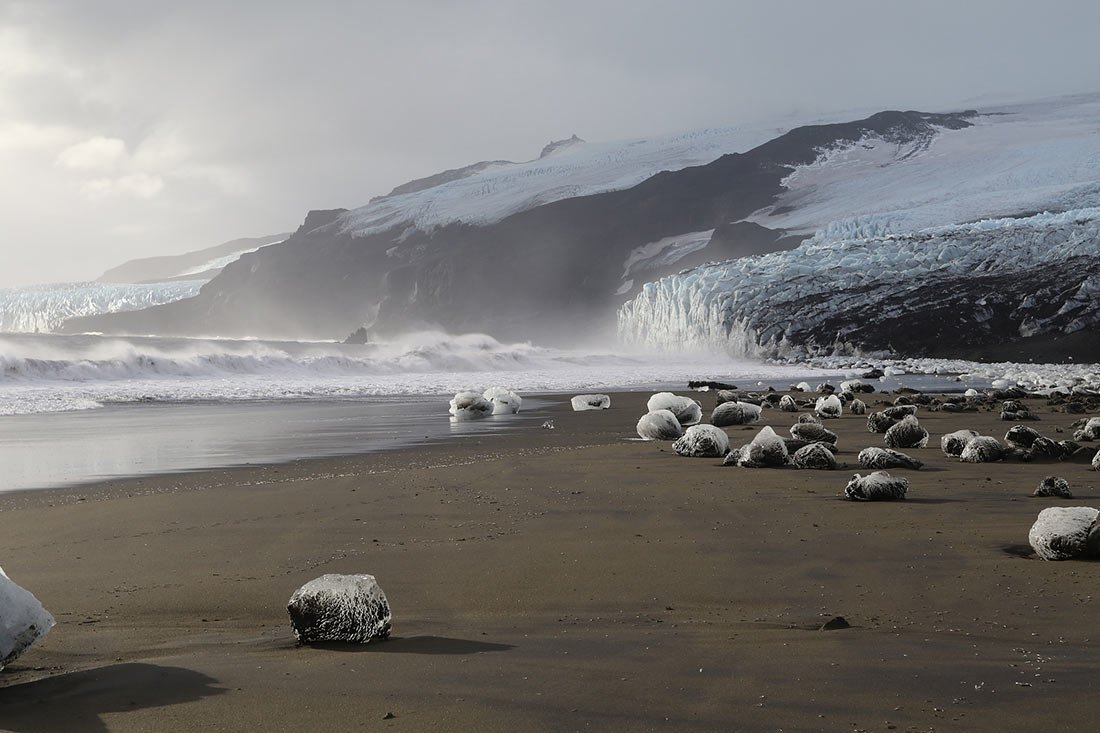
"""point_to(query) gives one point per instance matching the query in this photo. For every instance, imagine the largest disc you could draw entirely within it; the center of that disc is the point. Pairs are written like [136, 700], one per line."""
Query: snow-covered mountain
[529, 250]
[201, 264]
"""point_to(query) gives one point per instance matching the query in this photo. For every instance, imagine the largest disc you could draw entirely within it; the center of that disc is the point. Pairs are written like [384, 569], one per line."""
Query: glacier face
[904, 293]
[45, 307]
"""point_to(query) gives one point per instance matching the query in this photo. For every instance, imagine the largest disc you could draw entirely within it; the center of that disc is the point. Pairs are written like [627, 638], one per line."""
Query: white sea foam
[51, 373]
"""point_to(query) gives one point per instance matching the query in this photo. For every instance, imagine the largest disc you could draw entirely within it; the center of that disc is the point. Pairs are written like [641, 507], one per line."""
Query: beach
[564, 579]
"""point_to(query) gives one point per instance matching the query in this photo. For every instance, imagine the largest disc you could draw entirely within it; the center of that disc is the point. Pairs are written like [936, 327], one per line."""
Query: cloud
[97, 153]
[136, 185]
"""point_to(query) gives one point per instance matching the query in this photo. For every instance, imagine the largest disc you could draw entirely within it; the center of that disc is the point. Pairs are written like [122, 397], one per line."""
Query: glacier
[991, 278]
[43, 308]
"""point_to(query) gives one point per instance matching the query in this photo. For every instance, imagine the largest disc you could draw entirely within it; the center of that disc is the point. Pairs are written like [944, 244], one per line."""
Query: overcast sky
[139, 128]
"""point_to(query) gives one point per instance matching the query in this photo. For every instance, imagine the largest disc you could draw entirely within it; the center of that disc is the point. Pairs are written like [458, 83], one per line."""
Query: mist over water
[52, 373]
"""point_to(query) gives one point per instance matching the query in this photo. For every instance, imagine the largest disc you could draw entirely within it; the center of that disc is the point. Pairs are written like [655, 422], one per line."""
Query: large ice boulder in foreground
[349, 608]
[735, 413]
[505, 401]
[590, 402]
[1061, 533]
[23, 620]
[703, 441]
[659, 425]
[686, 410]
[470, 406]
[877, 486]
[982, 449]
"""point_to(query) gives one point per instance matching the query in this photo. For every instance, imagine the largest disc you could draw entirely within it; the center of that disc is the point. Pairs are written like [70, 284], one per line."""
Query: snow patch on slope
[579, 169]
[1012, 160]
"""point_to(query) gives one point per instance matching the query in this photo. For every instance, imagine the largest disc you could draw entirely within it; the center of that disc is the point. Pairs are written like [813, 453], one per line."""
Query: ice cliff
[908, 294]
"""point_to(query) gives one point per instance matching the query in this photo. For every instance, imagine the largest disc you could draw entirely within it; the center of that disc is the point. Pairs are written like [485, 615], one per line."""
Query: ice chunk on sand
[735, 413]
[814, 455]
[813, 432]
[1061, 533]
[505, 401]
[953, 443]
[470, 406]
[787, 404]
[1054, 486]
[590, 402]
[686, 410]
[907, 434]
[876, 486]
[703, 441]
[340, 608]
[766, 449]
[659, 425]
[858, 407]
[874, 457]
[829, 406]
[23, 620]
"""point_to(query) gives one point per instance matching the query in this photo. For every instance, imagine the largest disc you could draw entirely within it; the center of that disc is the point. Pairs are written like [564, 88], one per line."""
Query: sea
[76, 409]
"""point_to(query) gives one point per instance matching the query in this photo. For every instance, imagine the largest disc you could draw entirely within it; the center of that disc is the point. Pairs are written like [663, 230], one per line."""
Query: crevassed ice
[45, 307]
[717, 307]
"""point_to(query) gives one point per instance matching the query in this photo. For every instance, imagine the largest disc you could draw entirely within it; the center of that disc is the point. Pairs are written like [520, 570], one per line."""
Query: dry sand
[562, 580]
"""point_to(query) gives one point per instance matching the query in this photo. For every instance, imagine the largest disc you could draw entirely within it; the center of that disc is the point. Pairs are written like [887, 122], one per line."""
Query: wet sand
[566, 579]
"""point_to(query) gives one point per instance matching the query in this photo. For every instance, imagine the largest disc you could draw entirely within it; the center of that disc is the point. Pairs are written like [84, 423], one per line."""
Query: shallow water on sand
[60, 449]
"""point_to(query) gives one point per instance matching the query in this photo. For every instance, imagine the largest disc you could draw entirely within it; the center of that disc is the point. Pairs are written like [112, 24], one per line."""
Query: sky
[141, 128]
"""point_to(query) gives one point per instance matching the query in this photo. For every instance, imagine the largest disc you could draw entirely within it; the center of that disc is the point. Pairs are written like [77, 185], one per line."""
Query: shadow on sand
[416, 645]
[76, 701]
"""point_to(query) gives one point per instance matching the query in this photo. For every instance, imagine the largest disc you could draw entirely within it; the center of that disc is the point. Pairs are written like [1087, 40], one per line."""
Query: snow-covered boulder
[879, 458]
[814, 456]
[470, 406]
[1062, 533]
[876, 486]
[787, 404]
[828, 406]
[1092, 429]
[858, 407]
[659, 425]
[953, 443]
[982, 449]
[703, 441]
[813, 432]
[880, 422]
[1021, 436]
[23, 620]
[686, 410]
[505, 401]
[735, 413]
[907, 434]
[765, 450]
[349, 608]
[1054, 486]
[590, 402]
